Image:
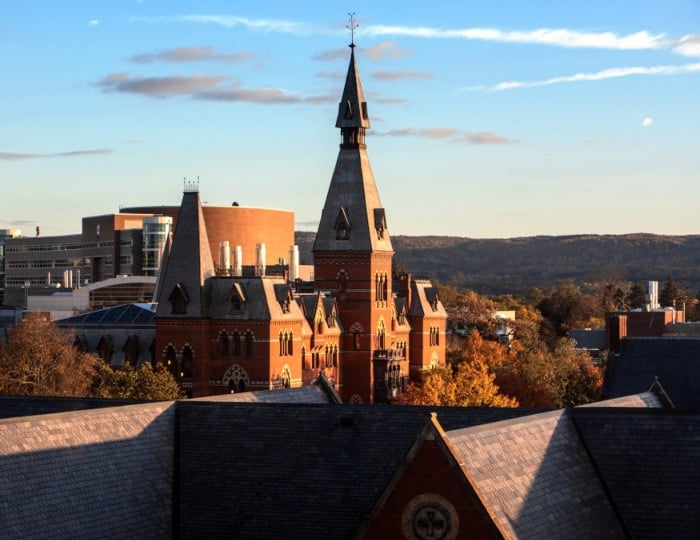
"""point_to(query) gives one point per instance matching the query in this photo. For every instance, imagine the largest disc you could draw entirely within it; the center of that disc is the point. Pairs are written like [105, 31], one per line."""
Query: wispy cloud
[385, 100]
[17, 156]
[381, 51]
[233, 21]
[208, 88]
[687, 45]
[554, 37]
[332, 75]
[453, 135]
[611, 73]
[191, 54]
[400, 75]
[560, 37]
[94, 23]
[331, 55]
[159, 87]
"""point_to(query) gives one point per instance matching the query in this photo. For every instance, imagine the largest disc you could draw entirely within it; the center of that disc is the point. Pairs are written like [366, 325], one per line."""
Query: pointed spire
[189, 262]
[353, 118]
[353, 218]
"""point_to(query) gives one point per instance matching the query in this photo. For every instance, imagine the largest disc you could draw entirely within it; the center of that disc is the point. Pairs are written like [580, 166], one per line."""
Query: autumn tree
[467, 380]
[143, 383]
[38, 360]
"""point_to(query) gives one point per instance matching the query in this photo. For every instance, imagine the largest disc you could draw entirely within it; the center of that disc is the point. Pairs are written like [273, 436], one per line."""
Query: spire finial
[352, 26]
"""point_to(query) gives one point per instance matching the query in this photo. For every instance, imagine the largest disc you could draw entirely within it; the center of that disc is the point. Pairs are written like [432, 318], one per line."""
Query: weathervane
[352, 26]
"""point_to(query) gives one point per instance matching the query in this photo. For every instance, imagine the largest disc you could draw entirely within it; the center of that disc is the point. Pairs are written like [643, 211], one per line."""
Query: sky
[489, 119]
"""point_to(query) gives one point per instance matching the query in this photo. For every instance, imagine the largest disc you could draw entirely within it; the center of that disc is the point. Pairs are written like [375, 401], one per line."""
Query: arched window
[237, 344]
[381, 335]
[105, 348]
[303, 358]
[224, 343]
[171, 360]
[131, 350]
[249, 339]
[187, 363]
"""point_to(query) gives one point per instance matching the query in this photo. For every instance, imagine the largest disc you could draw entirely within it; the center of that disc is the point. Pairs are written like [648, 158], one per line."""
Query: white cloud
[611, 73]
[94, 22]
[560, 37]
[232, 21]
[687, 45]
[648, 121]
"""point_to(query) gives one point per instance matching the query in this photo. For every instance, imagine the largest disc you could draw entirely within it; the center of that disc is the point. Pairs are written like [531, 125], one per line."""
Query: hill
[499, 266]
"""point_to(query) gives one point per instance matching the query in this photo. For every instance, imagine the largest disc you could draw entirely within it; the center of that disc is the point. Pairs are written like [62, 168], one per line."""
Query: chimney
[260, 256]
[293, 263]
[237, 261]
[225, 256]
[653, 295]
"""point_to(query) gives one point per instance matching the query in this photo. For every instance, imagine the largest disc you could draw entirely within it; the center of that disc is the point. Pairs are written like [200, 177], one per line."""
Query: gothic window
[105, 349]
[237, 344]
[171, 360]
[335, 355]
[342, 225]
[179, 300]
[319, 323]
[381, 336]
[348, 110]
[357, 340]
[236, 378]
[379, 222]
[342, 281]
[329, 360]
[237, 298]
[286, 340]
[187, 362]
[249, 339]
[381, 287]
[131, 350]
[224, 343]
[286, 377]
[303, 358]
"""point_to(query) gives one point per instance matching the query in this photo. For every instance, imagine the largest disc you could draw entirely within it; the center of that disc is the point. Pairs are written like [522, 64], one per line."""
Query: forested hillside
[500, 266]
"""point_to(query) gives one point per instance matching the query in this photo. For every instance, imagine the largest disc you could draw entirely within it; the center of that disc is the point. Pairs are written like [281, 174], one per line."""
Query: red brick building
[224, 333]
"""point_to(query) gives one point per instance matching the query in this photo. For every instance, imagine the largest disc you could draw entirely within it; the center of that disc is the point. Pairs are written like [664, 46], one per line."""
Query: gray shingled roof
[649, 460]
[293, 471]
[189, 262]
[674, 360]
[351, 112]
[352, 192]
[536, 479]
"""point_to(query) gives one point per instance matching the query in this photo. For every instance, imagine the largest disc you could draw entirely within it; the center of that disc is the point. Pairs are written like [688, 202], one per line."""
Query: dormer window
[283, 295]
[342, 225]
[380, 222]
[179, 300]
[348, 110]
[237, 298]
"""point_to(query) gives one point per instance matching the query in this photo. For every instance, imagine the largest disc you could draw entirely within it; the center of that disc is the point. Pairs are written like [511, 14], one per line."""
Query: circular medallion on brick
[430, 517]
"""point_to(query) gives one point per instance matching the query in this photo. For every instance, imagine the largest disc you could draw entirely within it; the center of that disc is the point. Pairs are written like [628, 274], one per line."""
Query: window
[237, 351]
[434, 335]
[224, 343]
[179, 300]
[187, 363]
[249, 339]
[381, 336]
[286, 340]
[171, 360]
[131, 350]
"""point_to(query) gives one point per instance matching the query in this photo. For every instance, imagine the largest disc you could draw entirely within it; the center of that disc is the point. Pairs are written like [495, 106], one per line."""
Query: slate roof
[261, 299]
[125, 314]
[649, 460]
[268, 466]
[18, 406]
[351, 111]
[320, 393]
[674, 360]
[423, 296]
[536, 479]
[353, 193]
[189, 261]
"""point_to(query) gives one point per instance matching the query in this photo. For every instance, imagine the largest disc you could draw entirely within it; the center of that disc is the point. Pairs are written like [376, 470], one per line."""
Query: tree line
[40, 360]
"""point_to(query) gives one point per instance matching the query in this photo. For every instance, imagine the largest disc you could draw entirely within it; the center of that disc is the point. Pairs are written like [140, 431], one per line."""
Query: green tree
[144, 383]
[637, 297]
[39, 360]
[669, 293]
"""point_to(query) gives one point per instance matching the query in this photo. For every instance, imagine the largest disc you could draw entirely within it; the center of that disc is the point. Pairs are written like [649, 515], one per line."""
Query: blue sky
[489, 119]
